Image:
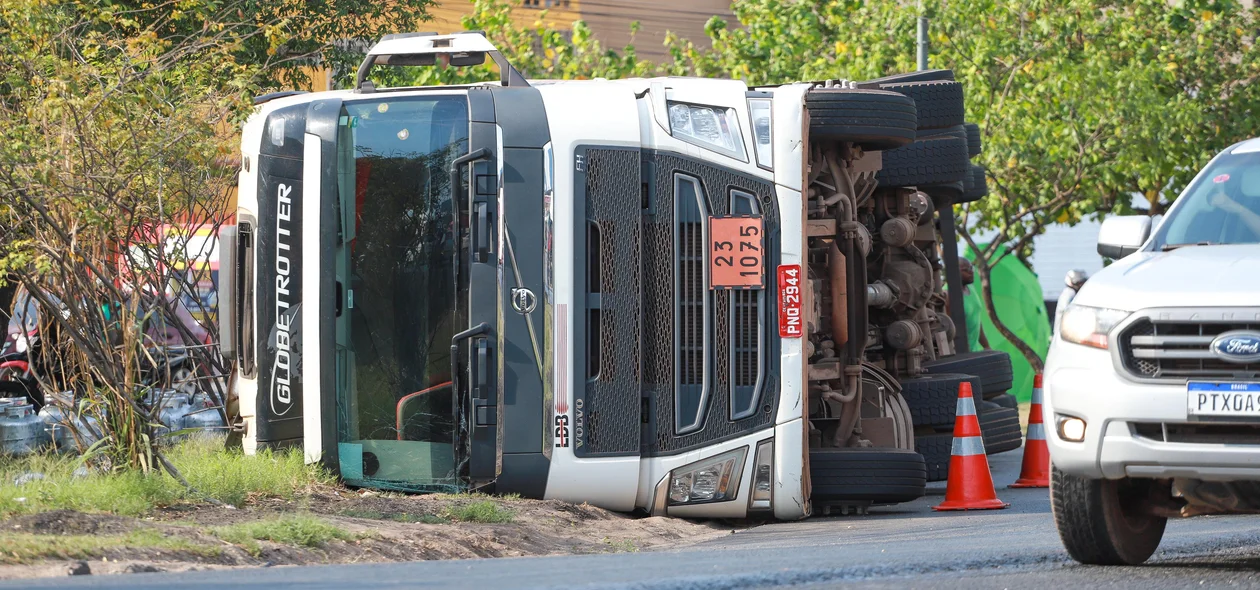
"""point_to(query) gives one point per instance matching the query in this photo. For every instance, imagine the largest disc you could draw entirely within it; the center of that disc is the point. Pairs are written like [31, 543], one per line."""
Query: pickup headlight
[715, 479]
[1089, 326]
[715, 128]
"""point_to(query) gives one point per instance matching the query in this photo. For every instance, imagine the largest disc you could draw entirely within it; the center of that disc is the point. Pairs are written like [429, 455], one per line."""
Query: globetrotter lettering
[282, 374]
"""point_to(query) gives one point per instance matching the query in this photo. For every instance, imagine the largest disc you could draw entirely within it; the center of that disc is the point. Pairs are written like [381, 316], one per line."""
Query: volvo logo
[524, 301]
[1240, 347]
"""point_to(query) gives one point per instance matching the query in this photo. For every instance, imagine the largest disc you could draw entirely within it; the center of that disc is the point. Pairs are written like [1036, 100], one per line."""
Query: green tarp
[1019, 301]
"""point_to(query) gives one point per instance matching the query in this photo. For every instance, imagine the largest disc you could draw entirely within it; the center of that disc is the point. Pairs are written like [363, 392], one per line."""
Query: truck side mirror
[1121, 236]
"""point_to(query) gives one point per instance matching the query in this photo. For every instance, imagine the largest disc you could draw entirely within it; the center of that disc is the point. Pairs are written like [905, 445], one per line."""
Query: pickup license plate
[1223, 400]
[736, 253]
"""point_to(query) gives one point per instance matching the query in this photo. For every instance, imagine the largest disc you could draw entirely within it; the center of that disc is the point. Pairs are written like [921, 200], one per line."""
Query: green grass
[223, 475]
[484, 511]
[296, 530]
[28, 548]
[405, 517]
[622, 546]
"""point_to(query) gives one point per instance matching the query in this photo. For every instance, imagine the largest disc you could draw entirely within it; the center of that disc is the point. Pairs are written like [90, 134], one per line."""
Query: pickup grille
[1229, 434]
[1180, 350]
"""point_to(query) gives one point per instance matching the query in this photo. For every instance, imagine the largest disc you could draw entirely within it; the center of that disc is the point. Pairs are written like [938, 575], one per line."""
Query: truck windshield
[395, 402]
[1221, 207]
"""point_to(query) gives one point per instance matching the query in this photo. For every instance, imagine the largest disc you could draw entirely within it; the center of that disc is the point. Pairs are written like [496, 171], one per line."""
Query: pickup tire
[979, 185]
[933, 399]
[936, 450]
[993, 367]
[871, 119]
[939, 102]
[876, 475]
[1000, 427]
[1105, 521]
[929, 161]
[974, 141]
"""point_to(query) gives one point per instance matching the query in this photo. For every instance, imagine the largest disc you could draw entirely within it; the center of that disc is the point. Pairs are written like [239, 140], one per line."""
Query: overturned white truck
[684, 296]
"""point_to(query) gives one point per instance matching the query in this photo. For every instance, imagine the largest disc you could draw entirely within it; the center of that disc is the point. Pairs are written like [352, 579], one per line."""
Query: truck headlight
[762, 130]
[715, 128]
[715, 479]
[763, 476]
[1089, 326]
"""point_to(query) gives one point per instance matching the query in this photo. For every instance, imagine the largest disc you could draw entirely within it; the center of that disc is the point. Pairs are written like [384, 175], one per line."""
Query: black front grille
[1236, 434]
[1179, 350]
[692, 313]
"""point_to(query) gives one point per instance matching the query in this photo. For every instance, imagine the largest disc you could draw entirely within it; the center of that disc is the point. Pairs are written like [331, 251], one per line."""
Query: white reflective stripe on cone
[1036, 395]
[967, 446]
[965, 407]
[1036, 432]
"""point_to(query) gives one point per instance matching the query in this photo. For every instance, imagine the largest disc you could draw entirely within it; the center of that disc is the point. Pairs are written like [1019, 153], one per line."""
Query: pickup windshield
[395, 403]
[1222, 206]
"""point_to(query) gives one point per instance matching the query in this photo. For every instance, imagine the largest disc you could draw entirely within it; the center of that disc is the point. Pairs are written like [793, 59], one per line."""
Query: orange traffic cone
[1036, 470]
[970, 485]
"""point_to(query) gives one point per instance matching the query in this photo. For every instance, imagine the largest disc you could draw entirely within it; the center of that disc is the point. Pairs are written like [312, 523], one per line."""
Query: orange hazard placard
[736, 253]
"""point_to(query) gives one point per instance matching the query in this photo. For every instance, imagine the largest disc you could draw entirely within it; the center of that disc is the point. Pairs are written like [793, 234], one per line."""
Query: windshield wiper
[1168, 247]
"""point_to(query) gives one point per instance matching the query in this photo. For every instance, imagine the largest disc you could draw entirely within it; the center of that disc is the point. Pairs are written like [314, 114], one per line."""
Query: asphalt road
[908, 546]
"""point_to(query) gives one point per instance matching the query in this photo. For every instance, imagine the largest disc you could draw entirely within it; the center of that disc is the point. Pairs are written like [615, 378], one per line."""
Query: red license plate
[791, 320]
[736, 253]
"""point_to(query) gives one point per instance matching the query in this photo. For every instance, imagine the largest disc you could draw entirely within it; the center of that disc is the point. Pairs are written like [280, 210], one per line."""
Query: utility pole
[923, 38]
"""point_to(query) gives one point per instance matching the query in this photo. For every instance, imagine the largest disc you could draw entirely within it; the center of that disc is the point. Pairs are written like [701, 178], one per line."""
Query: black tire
[979, 185]
[871, 119]
[956, 131]
[933, 399]
[1000, 427]
[939, 102]
[1005, 400]
[919, 76]
[936, 450]
[993, 367]
[974, 141]
[880, 476]
[928, 161]
[1103, 521]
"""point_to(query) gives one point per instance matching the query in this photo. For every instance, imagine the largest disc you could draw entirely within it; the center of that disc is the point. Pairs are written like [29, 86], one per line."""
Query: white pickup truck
[1153, 382]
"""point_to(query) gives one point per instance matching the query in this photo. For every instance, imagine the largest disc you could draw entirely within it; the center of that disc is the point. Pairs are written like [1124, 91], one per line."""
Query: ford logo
[1237, 347]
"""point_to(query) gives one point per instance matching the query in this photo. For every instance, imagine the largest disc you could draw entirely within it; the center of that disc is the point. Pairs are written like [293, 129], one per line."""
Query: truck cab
[647, 294]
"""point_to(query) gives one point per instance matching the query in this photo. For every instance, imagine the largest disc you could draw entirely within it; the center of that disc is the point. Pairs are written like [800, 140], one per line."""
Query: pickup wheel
[939, 102]
[933, 399]
[936, 450]
[1105, 521]
[871, 119]
[929, 161]
[993, 367]
[877, 475]
[979, 185]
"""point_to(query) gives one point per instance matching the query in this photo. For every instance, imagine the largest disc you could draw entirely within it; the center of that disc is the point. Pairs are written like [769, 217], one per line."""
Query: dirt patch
[69, 522]
[381, 527]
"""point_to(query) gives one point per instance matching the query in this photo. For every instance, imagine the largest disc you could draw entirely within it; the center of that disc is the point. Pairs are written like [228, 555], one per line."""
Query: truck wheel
[936, 450]
[879, 475]
[939, 102]
[974, 141]
[979, 185]
[1000, 427]
[1005, 400]
[928, 161]
[871, 119]
[933, 399]
[1105, 521]
[993, 367]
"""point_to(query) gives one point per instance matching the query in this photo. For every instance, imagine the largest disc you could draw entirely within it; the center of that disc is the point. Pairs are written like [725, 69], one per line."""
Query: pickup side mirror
[1122, 236]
